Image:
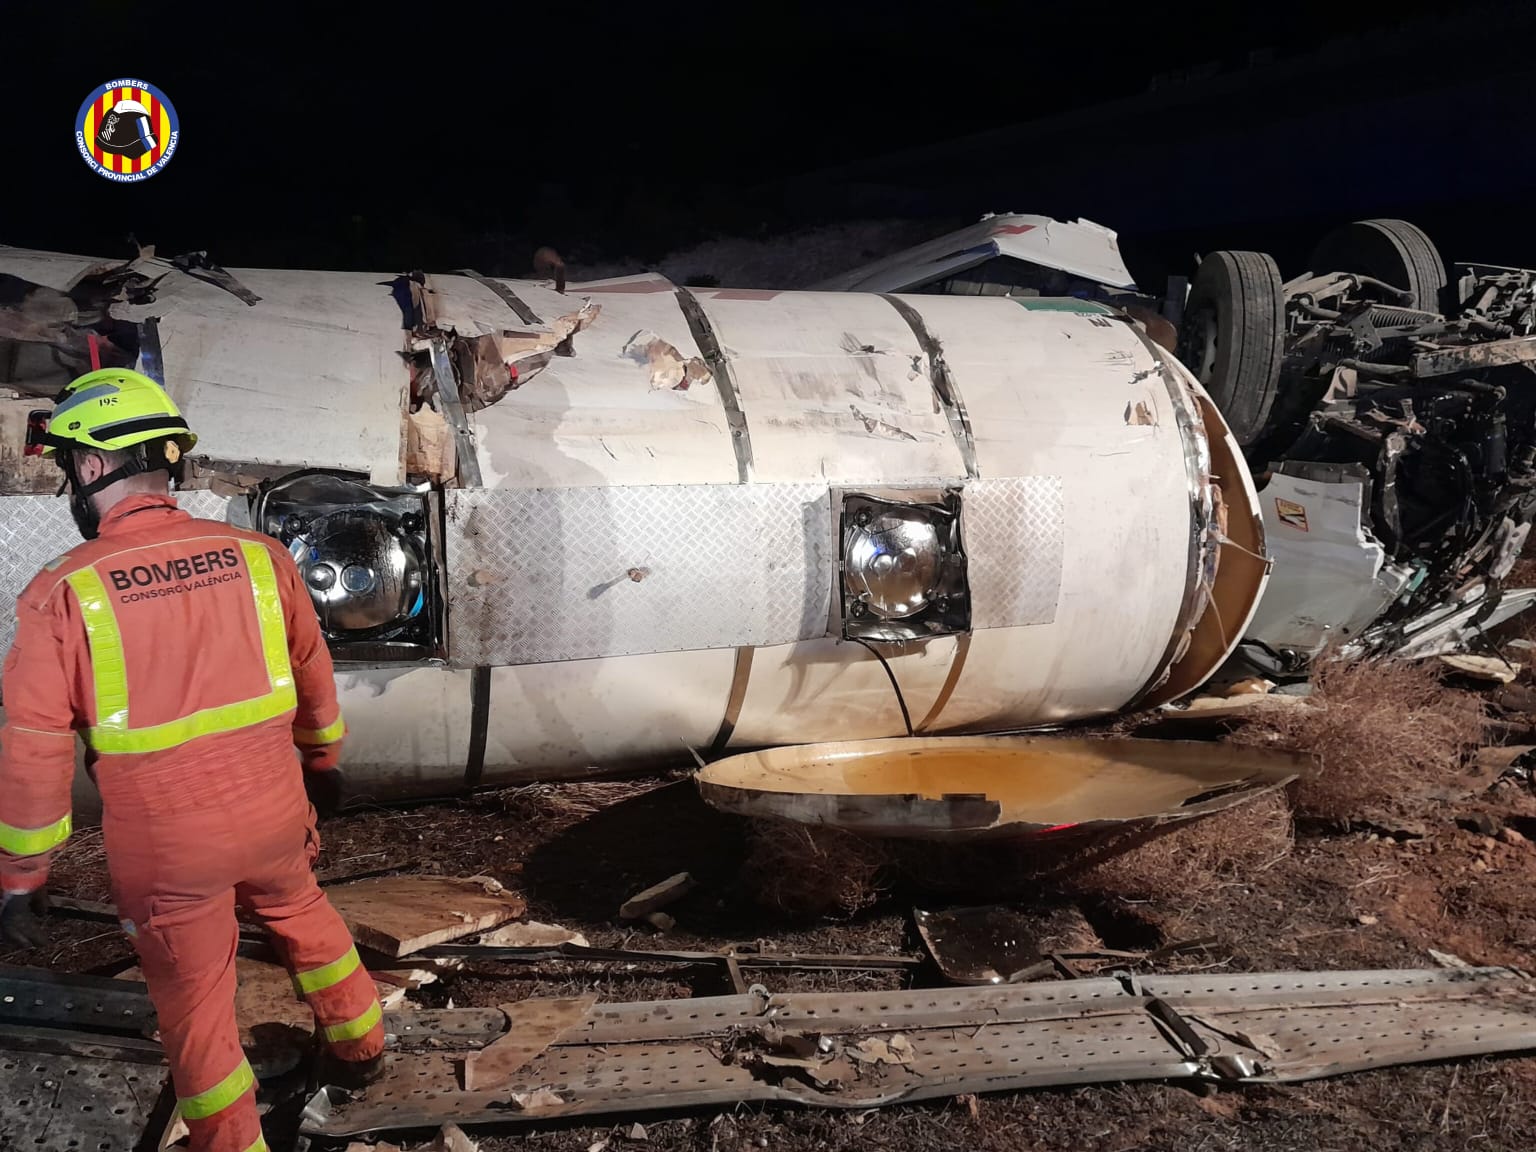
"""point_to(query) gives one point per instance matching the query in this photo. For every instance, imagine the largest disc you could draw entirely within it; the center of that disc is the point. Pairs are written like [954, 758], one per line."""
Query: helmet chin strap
[81, 506]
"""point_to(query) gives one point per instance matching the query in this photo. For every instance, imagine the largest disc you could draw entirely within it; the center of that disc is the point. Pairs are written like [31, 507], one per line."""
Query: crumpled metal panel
[60, 1085]
[1259, 1027]
[541, 575]
[1013, 529]
[36, 529]
[64, 1102]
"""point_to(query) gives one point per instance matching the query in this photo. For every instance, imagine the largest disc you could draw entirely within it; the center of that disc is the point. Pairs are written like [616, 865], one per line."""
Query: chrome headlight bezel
[901, 567]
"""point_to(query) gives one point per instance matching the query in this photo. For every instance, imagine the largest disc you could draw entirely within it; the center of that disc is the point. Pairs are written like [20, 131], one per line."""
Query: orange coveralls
[188, 655]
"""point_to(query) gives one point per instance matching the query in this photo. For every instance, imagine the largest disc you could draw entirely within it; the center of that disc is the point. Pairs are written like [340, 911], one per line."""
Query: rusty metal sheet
[678, 1054]
[1475, 357]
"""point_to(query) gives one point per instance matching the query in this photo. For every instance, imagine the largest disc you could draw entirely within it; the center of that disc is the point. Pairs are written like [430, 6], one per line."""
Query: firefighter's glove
[19, 924]
[326, 790]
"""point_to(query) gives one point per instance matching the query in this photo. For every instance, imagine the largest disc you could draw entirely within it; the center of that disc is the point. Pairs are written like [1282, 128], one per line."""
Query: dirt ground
[1448, 865]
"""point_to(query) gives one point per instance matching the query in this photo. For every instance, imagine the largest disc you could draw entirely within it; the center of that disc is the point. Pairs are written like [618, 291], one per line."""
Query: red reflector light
[37, 424]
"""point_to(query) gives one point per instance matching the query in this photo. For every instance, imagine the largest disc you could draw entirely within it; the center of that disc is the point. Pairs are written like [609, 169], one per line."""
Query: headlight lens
[891, 562]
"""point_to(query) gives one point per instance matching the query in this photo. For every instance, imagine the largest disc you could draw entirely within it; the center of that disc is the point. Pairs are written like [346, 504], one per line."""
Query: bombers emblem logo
[127, 130]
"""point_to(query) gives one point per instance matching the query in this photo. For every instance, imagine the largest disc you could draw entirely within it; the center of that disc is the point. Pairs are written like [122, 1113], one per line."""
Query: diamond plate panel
[540, 575]
[35, 529]
[1012, 529]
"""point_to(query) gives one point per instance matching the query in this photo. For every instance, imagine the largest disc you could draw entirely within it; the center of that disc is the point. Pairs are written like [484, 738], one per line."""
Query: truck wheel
[1391, 250]
[1232, 337]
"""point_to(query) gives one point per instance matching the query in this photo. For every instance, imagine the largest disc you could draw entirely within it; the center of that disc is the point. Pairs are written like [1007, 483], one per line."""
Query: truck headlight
[903, 568]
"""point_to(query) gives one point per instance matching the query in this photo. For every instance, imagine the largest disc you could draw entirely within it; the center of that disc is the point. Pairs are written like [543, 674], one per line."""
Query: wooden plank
[533, 1025]
[399, 915]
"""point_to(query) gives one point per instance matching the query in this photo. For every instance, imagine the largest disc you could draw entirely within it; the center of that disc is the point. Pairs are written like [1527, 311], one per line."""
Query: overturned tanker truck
[549, 532]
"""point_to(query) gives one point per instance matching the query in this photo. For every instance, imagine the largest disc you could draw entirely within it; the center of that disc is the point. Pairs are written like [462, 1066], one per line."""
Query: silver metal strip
[720, 369]
[151, 361]
[944, 386]
[508, 297]
[1197, 465]
[453, 410]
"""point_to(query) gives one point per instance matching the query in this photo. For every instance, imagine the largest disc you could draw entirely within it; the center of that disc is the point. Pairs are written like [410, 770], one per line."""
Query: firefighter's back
[176, 654]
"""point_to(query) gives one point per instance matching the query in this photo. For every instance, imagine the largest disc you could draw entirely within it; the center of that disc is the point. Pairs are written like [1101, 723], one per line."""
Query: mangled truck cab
[1384, 409]
[548, 532]
[1388, 413]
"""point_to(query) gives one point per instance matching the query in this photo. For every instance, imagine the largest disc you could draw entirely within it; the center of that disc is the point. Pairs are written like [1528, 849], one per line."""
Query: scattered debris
[898, 1050]
[1489, 669]
[994, 945]
[1139, 414]
[636, 1131]
[530, 934]
[540, 1099]
[1482, 823]
[399, 915]
[657, 897]
[430, 448]
[668, 367]
[532, 1026]
[661, 921]
[1447, 959]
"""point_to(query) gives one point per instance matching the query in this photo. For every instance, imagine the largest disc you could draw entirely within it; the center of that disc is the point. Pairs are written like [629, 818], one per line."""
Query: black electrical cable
[906, 717]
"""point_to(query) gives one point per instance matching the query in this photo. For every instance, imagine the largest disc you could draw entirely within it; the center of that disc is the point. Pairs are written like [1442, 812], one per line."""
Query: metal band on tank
[453, 411]
[508, 297]
[479, 723]
[735, 700]
[150, 358]
[943, 383]
[704, 337]
[1197, 466]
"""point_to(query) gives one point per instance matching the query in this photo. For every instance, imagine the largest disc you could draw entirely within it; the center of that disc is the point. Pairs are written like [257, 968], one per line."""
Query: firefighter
[188, 656]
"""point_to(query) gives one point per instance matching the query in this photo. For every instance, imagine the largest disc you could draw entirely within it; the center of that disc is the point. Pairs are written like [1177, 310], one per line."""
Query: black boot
[352, 1075]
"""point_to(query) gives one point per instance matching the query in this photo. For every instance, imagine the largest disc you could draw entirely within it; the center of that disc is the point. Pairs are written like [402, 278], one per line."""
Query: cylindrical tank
[856, 392]
[616, 580]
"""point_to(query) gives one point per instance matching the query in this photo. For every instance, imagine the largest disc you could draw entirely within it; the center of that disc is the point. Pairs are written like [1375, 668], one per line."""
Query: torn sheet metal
[1078, 247]
[1268, 1027]
[993, 787]
[997, 945]
[75, 1068]
[665, 363]
[1337, 579]
[654, 569]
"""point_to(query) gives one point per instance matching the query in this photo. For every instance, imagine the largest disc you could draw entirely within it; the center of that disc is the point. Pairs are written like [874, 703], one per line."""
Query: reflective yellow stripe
[31, 841]
[259, 1146]
[327, 735]
[107, 664]
[355, 1028]
[112, 732]
[269, 610]
[219, 1097]
[328, 975]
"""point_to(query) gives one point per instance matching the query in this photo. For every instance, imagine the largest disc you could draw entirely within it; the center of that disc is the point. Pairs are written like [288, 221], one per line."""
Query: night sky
[382, 138]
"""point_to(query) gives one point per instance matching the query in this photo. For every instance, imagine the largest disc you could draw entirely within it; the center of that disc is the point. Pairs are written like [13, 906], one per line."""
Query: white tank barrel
[692, 519]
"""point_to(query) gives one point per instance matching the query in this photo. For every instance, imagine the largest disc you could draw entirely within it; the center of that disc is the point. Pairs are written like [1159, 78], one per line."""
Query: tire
[1391, 250]
[1233, 337]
